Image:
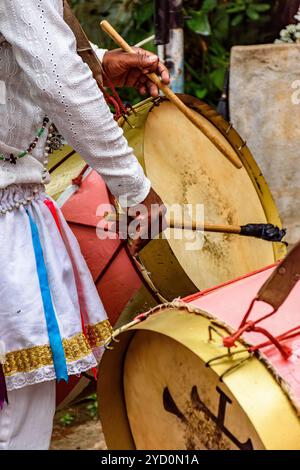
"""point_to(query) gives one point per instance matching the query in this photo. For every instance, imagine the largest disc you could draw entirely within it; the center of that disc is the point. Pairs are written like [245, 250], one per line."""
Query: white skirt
[82, 322]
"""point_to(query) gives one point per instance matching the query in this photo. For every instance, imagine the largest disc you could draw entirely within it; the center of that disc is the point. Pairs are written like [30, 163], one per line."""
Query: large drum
[175, 386]
[185, 168]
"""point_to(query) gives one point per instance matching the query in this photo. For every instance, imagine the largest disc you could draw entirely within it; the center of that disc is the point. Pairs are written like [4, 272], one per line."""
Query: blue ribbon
[58, 354]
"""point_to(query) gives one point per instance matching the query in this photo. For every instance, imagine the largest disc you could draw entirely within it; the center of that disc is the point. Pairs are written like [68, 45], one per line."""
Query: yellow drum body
[64, 165]
[157, 392]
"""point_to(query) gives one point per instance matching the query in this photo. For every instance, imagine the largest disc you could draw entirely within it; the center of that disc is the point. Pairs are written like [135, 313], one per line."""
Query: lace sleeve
[45, 49]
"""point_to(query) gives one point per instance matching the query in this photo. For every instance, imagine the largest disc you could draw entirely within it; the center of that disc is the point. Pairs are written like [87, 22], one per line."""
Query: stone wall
[263, 112]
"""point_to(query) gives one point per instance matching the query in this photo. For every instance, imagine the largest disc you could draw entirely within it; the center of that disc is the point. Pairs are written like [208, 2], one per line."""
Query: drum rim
[114, 360]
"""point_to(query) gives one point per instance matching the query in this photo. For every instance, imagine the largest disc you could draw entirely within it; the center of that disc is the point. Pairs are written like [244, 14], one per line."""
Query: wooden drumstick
[268, 232]
[274, 234]
[234, 229]
[183, 225]
[193, 117]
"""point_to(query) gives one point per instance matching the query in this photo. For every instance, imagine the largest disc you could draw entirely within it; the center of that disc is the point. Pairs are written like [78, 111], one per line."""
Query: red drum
[112, 269]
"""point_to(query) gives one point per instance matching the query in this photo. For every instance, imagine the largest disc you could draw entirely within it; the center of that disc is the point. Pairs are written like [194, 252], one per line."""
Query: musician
[52, 323]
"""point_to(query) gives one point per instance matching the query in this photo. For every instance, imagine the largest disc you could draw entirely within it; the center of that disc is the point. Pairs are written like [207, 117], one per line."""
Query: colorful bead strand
[14, 158]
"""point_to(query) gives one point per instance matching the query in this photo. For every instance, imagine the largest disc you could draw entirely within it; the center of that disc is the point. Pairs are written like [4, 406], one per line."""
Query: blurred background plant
[212, 27]
[85, 409]
[291, 33]
[67, 419]
[92, 406]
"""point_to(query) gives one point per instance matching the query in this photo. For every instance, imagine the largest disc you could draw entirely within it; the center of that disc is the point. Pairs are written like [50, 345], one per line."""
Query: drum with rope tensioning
[218, 370]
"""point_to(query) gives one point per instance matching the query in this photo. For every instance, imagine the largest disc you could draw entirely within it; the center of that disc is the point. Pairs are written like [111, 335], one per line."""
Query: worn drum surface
[164, 393]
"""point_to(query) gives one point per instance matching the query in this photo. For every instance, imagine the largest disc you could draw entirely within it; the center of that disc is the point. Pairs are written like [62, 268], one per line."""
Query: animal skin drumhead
[174, 401]
[175, 386]
[186, 168]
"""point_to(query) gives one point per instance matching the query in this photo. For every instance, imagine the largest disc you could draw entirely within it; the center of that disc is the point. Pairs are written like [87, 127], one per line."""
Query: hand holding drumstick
[219, 142]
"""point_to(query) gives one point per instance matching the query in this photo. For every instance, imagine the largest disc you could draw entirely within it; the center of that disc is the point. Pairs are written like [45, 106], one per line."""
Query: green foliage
[67, 419]
[212, 28]
[132, 18]
[92, 406]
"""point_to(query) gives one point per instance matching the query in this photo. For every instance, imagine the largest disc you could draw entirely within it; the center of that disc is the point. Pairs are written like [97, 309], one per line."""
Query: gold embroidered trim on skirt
[77, 347]
[97, 333]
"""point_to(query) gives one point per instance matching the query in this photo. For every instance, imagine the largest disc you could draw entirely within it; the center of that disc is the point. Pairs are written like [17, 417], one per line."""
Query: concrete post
[265, 109]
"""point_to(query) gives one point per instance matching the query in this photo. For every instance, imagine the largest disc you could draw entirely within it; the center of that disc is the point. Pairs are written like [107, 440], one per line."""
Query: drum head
[171, 390]
[165, 414]
[186, 168]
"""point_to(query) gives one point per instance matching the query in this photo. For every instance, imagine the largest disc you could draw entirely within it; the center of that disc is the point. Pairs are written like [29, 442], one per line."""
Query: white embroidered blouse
[41, 74]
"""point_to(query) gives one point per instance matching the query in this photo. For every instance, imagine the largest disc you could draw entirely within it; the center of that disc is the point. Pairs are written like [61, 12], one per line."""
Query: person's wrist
[107, 66]
[99, 51]
[104, 65]
[126, 201]
[104, 58]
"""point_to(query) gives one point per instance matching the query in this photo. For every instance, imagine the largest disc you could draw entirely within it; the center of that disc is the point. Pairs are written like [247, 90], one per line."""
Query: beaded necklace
[14, 158]
[53, 142]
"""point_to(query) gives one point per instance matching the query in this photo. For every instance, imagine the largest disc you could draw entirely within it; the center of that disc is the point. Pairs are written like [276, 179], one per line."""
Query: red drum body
[111, 266]
[109, 262]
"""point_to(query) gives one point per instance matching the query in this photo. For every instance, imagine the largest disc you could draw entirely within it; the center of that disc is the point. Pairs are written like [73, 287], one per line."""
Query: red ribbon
[53, 211]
